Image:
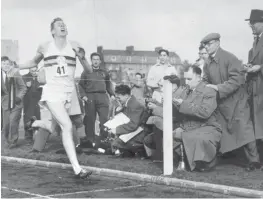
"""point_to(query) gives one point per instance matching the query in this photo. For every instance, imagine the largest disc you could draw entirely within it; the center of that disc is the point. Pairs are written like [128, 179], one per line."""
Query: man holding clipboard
[126, 124]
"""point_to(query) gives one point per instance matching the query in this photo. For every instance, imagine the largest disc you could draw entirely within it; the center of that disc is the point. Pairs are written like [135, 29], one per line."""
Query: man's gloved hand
[18, 100]
[173, 79]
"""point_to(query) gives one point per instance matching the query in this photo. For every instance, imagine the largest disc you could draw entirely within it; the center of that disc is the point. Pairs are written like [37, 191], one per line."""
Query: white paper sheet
[126, 137]
[117, 120]
[158, 96]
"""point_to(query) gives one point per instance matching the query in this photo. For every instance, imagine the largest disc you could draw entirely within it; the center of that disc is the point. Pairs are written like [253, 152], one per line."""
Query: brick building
[9, 48]
[130, 61]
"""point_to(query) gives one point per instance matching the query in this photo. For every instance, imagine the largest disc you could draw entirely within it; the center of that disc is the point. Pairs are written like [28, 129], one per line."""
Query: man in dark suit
[135, 112]
[31, 99]
[13, 90]
[254, 70]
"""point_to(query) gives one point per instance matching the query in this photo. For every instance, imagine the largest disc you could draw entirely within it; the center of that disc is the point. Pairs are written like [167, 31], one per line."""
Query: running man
[59, 70]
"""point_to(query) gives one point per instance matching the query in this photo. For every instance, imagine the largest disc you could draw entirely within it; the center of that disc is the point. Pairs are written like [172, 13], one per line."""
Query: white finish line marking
[97, 190]
[25, 192]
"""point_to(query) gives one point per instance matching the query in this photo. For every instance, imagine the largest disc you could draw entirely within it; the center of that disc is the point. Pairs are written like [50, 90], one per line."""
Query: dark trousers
[97, 103]
[11, 121]
[251, 152]
[154, 141]
[1, 119]
[158, 138]
[134, 145]
[251, 148]
[30, 110]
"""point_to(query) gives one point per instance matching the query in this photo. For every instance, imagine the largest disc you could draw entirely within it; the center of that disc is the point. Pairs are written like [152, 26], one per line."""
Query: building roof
[131, 56]
[135, 53]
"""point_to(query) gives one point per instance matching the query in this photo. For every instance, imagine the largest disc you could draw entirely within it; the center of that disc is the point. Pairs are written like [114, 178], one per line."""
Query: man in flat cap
[224, 73]
[254, 70]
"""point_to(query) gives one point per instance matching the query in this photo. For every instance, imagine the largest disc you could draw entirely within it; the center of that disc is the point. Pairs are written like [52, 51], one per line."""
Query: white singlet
[59, 66]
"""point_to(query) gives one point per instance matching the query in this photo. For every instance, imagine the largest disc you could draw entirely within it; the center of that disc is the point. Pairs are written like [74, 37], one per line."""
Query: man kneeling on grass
[130, 107]
[198, 130]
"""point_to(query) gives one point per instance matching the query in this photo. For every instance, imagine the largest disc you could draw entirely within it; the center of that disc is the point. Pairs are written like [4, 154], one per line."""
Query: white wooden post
[167, 129]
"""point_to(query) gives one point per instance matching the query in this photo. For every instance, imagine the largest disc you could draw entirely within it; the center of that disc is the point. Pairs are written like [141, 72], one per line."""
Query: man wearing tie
[13, 90]
[254, 70]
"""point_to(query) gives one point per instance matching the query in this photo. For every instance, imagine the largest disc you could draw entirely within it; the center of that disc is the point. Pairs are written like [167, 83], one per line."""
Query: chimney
[130, 49]
[99, 49]
[158, 48]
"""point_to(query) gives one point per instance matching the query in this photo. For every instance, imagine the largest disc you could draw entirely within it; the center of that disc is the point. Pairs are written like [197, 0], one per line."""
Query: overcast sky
[177, 25]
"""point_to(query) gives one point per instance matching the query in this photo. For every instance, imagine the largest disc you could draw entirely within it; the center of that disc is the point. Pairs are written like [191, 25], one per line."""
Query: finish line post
[167, 129]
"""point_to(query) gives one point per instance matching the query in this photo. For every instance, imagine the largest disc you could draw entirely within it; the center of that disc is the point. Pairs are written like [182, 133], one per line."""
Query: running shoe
[83, 174]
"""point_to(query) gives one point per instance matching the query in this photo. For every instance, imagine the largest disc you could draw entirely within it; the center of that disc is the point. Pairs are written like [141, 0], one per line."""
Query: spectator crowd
[217, 106]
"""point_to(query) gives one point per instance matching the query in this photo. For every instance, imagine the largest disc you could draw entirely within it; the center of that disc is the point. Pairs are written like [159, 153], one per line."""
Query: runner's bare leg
[59, 113]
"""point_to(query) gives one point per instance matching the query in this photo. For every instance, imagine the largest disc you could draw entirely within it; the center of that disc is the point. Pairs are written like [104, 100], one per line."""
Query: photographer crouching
[153, 142]
[128, 137]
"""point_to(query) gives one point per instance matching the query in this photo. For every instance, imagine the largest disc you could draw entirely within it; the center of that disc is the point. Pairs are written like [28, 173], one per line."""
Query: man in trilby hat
[254, 70]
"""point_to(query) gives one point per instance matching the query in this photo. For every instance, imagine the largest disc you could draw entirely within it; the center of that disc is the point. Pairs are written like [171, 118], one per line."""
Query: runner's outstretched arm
[35, 61]
[80, 53]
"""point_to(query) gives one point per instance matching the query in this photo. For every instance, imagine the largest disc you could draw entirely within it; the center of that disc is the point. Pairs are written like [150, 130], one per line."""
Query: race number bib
[61, 67]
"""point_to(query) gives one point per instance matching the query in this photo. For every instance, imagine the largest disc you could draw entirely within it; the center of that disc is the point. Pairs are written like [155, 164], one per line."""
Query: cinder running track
[26, 181]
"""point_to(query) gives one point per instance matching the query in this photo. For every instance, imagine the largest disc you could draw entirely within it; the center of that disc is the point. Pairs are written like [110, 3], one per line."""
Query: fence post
[167, 129]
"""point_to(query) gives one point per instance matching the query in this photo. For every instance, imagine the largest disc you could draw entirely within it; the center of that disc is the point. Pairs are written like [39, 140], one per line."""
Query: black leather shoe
[34, 151]
[86, 143]
[78, 149]
[108, 151]
[207, 167]
[253, 166]
[204, 169]
[12, 146]
[125, 154]
[228, 155]
[141, 155]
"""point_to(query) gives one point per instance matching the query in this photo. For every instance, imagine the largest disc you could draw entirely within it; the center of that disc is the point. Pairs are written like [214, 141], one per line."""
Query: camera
[147, 100]
[28, 125]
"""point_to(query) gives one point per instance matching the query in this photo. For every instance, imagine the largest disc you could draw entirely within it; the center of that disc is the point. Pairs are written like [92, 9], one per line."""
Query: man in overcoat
[254, 70]
[224, 73]
[13, 90]
[198, 130]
